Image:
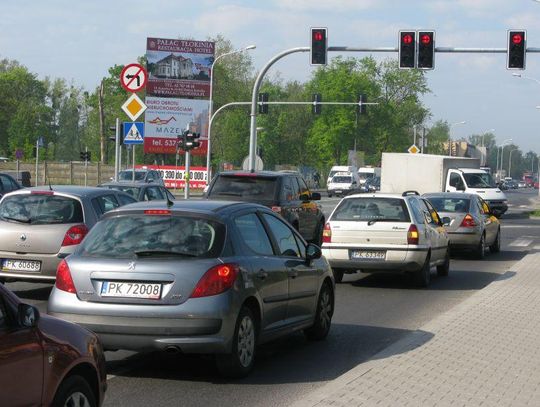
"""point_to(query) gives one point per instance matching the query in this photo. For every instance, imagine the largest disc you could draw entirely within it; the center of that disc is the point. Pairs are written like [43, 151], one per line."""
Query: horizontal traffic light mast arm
[318, 103]
[437, 49]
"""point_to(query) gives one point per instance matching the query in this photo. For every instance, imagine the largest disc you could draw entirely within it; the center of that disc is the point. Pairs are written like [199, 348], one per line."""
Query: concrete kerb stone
[486, 347]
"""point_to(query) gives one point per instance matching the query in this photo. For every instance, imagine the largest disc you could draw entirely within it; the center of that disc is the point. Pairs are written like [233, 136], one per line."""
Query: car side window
[105, 203]
[455, 180]
[253, 234]
[295, 188]
[304, 190]
[166, 192]
[6, 185]
[153, 193]
[434, 216]
[301, 246]
[284, 236]
[417, 211]
[124, 200]
[286, 189]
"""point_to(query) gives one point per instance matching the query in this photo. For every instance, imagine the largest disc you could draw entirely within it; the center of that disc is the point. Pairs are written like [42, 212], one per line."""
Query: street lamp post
[500, 165]
[510, 162]
[450, 136]
[484, 133]
[210, 108]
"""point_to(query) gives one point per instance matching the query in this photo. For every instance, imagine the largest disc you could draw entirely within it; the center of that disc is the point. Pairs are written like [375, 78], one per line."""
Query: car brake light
[64, 281]
[468, 222]
[413, 237]
[216, 280]
[42, 192]
[276, 209]
[327, 234]
[157, 212]
[75, 235]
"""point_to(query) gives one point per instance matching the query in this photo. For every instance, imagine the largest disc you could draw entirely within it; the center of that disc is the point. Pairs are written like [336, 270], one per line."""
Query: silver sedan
[196, 277]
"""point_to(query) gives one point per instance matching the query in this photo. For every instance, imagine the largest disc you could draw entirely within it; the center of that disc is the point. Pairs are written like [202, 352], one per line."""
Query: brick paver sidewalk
[483, 352]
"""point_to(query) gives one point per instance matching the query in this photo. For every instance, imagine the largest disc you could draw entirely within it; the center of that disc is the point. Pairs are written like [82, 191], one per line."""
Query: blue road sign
[133, 132]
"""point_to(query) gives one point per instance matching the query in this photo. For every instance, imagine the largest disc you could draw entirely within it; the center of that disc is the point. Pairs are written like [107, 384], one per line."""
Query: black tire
[329, 195]
[74, 391]
[480, 251]
[323, 316]
[422, 277]
[338, 275]
[443, 269]
[241, 360]
[496, 246]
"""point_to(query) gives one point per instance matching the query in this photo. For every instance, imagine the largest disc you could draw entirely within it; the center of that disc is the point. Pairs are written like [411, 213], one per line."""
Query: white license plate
[131, 290]
[368, 254]
[21, 265]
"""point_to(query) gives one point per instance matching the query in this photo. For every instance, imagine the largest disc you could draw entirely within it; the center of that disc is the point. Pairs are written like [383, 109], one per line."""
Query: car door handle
[262, 274]
[293, 273]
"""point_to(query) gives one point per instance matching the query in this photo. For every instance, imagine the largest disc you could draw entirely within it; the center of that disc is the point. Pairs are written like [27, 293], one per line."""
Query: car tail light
[468, 222]
[157, 212]
[216, 280]
[42, 192]
[276, 209]
[413, 237]
[75, 235]
[64, 281]
[327, 234]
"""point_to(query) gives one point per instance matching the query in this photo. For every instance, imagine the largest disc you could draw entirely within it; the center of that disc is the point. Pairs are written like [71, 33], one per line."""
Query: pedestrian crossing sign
[133, 132]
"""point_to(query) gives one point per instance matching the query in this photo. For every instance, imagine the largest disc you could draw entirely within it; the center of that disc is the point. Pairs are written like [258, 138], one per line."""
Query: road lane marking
[521, 242]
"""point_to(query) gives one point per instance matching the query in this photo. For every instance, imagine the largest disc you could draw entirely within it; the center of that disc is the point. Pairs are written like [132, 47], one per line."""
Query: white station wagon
[386, 233]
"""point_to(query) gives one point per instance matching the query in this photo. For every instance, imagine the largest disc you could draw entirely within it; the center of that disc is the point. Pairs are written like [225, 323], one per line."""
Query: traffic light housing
[181, 142]
[426, 49]
[319, 46]
[407, 49]
[316, 103]
[85, 155]
[362, 107]
[263, 106]
[192, 141]
[517, 49]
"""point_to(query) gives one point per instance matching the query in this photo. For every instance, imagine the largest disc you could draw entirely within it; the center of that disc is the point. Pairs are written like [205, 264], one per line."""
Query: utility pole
[37, 160]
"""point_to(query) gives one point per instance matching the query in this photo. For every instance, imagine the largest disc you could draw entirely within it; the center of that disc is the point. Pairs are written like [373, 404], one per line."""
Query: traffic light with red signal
[407, 49]
[426, 50]
[517, 49]
[319, 46]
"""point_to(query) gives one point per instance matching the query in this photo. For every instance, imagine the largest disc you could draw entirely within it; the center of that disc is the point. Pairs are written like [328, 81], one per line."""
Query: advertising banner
[174, 177]
[168, 118]
[179, 68]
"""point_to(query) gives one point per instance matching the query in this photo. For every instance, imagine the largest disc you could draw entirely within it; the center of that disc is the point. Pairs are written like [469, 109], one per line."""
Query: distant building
[174, 66]
[465, 149]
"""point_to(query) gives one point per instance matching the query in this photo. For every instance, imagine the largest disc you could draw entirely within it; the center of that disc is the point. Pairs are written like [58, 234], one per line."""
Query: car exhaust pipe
[172, 349]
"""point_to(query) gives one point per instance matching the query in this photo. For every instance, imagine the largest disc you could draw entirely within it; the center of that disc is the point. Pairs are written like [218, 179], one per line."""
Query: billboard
[168, 118]
[174, 177]
[179, 68]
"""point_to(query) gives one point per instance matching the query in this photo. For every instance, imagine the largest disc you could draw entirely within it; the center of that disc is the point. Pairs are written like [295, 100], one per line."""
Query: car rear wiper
[27, 220]
[148, 253]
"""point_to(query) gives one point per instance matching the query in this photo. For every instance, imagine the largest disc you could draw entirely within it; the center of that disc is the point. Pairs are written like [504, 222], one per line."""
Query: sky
[79, 41]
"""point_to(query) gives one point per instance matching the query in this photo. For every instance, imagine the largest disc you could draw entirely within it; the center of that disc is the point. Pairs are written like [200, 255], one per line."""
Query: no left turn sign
[133, 77]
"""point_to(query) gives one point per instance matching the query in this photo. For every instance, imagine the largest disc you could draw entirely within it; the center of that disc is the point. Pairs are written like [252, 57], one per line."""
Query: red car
[46, 361]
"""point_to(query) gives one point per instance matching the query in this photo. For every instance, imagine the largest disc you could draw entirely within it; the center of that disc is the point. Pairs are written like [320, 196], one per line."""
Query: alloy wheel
[246, 341]
[77, 399]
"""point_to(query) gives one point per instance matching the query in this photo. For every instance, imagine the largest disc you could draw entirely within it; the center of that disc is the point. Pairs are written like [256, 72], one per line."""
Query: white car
[341, 184]
[386, 233]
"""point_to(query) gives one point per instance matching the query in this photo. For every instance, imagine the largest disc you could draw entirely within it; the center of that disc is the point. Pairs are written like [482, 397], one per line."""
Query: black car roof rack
[411, 192]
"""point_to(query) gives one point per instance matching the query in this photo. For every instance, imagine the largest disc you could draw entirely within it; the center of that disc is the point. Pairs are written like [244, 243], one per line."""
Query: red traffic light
[425, 39]
[407, 39]
[517, 38]
[318, 36]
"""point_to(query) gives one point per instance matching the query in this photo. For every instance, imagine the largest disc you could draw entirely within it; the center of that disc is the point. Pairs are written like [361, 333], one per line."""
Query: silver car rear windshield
[245, 186]
[41, 209]
[132, 236]
[451, 205]
[128, 175]
[369, 209]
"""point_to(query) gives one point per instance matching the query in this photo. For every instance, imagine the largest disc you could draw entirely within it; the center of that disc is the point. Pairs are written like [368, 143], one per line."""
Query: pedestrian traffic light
[316, 103]
[319, 48]
[85, 155]
[361, 108]
[263, 106]
[181, 142]
[192, 141]
[88, 156]
[426, 49]
[407, 49]
[517, 48]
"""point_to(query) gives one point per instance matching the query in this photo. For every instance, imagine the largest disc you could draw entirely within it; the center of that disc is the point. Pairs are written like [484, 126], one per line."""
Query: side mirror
[315, 196]
[27, 315]
[446, 221]
[313, 252]
[304, 198]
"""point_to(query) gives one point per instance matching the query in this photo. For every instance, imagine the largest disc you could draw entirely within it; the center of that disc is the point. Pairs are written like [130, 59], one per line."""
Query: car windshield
[452, 205]
[128, 175]
[372, 209]
[365, 175]
[250, 187]
[37, 208]
[130, 236]
[339, 179]
[479, 180]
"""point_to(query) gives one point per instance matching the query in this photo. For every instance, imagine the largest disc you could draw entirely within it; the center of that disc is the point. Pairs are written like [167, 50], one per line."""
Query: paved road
[372, 312]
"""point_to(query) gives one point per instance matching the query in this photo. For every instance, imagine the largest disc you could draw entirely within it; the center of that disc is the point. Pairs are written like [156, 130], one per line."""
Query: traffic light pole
[37, 161]
[186, 175]
[116, 149]
[86, 166]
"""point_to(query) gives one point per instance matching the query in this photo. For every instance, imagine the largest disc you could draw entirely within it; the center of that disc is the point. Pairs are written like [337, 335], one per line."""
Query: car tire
[443, 269]
[323, 315]
[75, 391]
[241, 360]
[338, 275]
[496, 246]
[422, 276]
[480, 251]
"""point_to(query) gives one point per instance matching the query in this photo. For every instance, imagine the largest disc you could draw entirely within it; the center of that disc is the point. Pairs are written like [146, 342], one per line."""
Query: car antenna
[50, 187]
[169, 202]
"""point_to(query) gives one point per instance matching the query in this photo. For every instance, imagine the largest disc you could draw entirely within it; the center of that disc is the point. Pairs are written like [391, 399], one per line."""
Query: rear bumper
[49, 264]
[458, 240]
[498, 207]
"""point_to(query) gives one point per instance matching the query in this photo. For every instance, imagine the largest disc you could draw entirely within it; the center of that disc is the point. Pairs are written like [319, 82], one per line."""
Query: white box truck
[438, 173]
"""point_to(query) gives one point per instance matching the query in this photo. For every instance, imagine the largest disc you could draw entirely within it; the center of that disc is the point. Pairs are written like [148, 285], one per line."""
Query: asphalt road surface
[371, 313]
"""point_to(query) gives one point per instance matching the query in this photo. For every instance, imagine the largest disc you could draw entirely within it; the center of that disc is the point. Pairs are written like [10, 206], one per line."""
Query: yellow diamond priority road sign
[134, 107]
[413, 149]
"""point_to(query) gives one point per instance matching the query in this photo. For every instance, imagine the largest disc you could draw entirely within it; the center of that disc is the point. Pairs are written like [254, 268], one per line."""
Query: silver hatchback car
[42, 225]
[196, 277]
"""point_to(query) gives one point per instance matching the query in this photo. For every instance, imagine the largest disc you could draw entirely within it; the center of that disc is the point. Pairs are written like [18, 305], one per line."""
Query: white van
[341, 184]
[365, 173]
[342, 168]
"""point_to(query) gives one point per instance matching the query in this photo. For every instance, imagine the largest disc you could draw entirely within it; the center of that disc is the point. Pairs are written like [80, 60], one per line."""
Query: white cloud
[327, 5]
